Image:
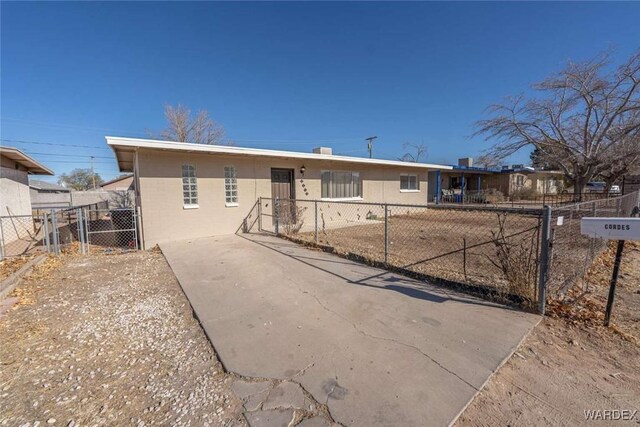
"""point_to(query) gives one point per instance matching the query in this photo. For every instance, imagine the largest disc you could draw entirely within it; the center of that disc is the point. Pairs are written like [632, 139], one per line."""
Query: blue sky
[285, 75]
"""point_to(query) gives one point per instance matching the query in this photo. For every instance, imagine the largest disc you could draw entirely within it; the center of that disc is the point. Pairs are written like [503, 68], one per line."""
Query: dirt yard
[571, 363]
[109, 340]
[452, 244]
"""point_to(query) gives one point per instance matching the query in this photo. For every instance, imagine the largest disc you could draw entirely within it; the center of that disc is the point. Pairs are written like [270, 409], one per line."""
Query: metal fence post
[47, 242]
[1, 240]
[135, 227]
[54, 226]
[86, 217]
[140, 232]
[80, 224]
[544, 259]
[277, 219]
[315, 229]
[260, 214]
[386, 233]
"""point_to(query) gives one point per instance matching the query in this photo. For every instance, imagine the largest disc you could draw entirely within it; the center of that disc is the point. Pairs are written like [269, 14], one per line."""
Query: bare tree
[488, 161]
[621, 160]
[416, 154]
[200, 129]
[585, 113]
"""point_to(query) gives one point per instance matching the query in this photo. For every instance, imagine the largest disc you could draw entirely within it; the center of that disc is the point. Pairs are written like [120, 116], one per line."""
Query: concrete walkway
[376, 347]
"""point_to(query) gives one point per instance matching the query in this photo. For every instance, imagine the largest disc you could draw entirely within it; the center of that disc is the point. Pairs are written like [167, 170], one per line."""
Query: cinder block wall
[165, 217]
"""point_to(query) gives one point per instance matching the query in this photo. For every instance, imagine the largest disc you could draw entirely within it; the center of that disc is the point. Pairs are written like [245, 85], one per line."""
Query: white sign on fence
[611, 228]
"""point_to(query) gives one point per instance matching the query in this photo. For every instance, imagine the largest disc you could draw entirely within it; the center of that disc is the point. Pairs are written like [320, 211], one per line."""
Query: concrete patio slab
[378, 348]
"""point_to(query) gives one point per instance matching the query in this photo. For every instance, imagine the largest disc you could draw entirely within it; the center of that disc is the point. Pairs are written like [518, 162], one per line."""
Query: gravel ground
[109, 340]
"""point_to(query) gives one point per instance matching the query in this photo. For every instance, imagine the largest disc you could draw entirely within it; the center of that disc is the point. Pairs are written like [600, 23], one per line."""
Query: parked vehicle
[595, 187]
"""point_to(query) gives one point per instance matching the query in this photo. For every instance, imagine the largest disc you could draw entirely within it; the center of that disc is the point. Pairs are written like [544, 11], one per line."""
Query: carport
[378, 348]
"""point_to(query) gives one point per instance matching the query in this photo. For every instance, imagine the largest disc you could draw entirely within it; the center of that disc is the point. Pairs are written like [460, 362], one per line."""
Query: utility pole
[370, 145]
[93, 175]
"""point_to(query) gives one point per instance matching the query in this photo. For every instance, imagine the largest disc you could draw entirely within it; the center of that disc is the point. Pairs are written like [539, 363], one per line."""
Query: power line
[58, 125]
[77, 161]
[70, 155]
[19, 141]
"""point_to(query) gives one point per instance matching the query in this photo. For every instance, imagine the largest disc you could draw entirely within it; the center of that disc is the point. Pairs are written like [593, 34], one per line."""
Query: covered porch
[460, 185]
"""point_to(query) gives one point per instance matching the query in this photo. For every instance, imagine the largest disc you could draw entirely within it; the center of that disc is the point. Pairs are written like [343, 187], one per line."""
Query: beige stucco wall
[165, 218]
[14, 188]
[124, 184]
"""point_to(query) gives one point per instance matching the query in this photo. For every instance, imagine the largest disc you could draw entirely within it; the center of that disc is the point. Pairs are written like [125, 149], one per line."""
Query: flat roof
[44, 185]
[124, 149]
[33, 166]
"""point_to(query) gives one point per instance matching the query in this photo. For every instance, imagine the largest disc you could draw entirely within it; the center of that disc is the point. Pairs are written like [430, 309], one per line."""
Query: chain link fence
[110, 230]
[89, 229]
[523, 255]
[22, 235]
[571, 254]
[488, 250]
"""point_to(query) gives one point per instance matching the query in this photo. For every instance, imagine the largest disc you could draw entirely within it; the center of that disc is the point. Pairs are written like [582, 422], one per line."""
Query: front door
[282, 188]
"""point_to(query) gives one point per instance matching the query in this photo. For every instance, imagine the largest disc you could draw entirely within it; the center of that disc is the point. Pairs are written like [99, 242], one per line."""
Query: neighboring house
[466, 178]
[123, 183]
[194, 190]
[48, 195]
[15, 168]
[44, 187]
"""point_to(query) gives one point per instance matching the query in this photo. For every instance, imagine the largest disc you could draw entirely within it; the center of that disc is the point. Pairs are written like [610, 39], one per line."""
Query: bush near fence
[497, 251]
[492, 251]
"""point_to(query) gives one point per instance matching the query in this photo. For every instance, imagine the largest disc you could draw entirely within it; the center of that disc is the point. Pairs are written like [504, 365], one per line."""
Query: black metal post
[544, 259]
[614, 282]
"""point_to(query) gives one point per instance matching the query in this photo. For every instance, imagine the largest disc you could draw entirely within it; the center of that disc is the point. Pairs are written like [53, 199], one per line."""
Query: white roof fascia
[114, 142]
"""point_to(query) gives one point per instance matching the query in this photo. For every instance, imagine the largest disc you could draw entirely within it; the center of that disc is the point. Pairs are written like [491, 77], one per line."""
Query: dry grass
[432, 242]
[8, 266]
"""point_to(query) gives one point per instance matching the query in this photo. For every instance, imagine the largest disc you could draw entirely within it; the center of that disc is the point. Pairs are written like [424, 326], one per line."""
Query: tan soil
[571, 363]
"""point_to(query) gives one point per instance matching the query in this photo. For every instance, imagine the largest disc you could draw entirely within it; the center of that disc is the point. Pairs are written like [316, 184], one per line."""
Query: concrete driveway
[378, 348]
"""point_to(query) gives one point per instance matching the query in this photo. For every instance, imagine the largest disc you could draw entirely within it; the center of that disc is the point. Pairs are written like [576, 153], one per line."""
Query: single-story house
[122, 183]
[193, 190]
[48, 195]
[43, 187]
[464, 178]
[15, 168]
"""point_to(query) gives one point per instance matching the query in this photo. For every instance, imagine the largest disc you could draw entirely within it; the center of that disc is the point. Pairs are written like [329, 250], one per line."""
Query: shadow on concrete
[405, 285]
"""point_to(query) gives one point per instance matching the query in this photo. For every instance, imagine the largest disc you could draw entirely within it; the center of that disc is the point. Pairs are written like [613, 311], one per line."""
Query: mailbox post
[619, 229]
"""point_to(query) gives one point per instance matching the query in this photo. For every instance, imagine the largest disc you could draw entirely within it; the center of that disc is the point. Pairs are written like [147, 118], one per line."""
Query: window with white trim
[189, 185]
[340, 185]
[230, 186]
[409, 182]
[520, 180]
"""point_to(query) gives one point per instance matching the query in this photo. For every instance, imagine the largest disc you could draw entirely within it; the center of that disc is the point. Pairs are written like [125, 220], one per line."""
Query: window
[341, 185]
[409, 183]
[230, 186]
[519, 180]
[189, 185]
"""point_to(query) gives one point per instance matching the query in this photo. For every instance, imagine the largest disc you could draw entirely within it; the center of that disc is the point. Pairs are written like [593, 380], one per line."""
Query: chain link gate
[89, 229]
